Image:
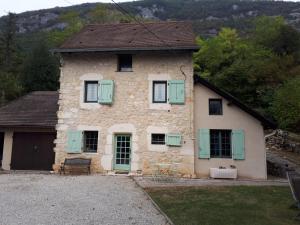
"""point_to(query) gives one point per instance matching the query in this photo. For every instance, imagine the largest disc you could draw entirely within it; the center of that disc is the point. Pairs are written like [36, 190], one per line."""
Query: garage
[28, 128]
[32, 151]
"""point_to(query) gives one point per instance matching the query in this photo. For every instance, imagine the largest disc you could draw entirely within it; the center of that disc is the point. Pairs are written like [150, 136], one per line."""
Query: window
[124, 63]
[158, 139]
[215, 107]
[91, 91]
[220, 143]
[90, 141]
[159, 92]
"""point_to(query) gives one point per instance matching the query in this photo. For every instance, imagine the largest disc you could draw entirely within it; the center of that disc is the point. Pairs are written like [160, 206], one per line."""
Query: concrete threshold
[153, 182]
[26, 172]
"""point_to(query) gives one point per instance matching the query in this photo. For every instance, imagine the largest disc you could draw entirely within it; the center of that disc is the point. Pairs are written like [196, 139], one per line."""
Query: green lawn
[238, 205]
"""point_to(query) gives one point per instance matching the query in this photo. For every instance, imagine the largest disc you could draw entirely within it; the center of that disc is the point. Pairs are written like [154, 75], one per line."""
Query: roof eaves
[266, 122]
[77, 50]
[33, 126]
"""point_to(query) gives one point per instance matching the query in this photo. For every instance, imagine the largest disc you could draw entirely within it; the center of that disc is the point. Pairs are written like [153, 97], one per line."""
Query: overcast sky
[18, 6]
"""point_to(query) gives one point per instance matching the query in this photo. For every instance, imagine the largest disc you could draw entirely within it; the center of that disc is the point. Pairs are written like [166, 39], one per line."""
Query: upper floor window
[90, 141]
[91, 91]
[159, 92]
[215, 107]
[124, 63]
[220, 143]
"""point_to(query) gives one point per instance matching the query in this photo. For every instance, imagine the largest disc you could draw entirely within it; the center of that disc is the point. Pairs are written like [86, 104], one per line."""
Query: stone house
[130, 101]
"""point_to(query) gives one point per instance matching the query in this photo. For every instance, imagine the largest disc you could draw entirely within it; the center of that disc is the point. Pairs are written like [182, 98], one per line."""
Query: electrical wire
[126, 12]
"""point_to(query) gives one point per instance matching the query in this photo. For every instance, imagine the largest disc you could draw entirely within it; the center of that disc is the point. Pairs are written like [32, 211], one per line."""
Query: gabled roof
[132, 37]
[265, 122]
[36, 109]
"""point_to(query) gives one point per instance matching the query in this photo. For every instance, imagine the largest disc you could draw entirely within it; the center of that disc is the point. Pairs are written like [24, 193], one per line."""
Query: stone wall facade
[132, 111]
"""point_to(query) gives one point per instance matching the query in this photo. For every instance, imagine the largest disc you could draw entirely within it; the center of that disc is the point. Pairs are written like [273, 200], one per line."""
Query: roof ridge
[115, 36]
[137, 23]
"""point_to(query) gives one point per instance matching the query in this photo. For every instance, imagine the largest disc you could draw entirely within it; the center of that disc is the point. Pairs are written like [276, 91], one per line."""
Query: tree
[273, 33]
[10, 61]
[102, 14]
[74, 25]
[239, 66]
[8, 46]
[41, 70]
[286, 105]
[10, 87]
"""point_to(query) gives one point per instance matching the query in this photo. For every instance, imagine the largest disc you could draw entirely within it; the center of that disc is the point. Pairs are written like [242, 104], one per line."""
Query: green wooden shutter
[176, 91]
[238, 144]
[173, 139]
[74, 141]
[106, 91]
[204, 143]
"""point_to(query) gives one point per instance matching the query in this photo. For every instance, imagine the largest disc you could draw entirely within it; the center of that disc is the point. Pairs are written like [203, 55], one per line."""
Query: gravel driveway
[37, 199]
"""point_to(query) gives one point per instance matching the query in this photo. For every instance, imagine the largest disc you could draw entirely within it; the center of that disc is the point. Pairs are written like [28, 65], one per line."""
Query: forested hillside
[208, 15]
[255, 58]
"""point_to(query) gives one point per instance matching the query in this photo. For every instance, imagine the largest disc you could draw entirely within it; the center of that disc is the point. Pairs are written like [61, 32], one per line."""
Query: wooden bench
[76, 163]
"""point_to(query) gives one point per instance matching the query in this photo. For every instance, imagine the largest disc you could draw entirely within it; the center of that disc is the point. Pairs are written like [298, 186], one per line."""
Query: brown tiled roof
[132, 36]
[36, 109]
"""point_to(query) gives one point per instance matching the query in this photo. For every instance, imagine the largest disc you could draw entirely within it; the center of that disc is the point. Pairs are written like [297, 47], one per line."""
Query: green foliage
[74, 24]
[102, 14]
[250, 64]
[9, 52]
[41, 70]
[286, 105]
[238, 66]
[274, 34]
[10, 61]
[252, 68]
[10, 87]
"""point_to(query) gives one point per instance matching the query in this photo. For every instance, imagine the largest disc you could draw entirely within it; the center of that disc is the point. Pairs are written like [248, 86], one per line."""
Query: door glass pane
[123, 150]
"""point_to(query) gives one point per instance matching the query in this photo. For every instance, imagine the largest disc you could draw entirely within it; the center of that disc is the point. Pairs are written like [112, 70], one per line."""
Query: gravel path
[37, 199]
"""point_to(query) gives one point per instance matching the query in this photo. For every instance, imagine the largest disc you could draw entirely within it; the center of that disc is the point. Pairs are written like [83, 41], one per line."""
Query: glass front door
[122, 152]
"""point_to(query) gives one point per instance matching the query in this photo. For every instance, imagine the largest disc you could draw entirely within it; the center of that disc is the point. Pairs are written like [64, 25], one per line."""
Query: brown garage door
[33, 151]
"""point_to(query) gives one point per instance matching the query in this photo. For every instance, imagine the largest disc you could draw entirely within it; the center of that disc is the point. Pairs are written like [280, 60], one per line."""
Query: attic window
[125, 63]
[215, 107]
